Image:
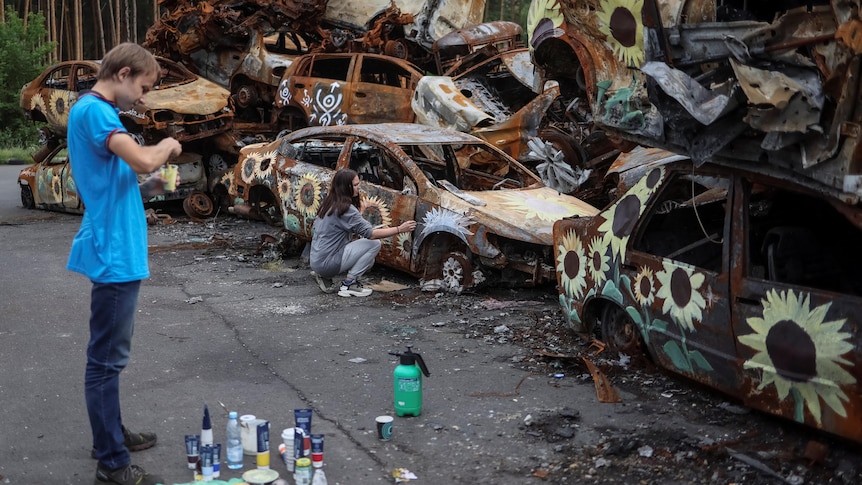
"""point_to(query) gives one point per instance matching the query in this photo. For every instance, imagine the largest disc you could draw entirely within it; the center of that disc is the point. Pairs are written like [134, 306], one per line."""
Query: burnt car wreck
[247, 47]
[772, 84]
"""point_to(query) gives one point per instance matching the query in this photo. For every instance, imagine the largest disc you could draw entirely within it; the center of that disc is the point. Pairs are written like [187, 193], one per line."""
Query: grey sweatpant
[358, 257]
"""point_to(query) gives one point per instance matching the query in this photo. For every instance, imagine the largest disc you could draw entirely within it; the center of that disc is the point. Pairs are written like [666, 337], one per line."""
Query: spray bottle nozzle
[411, 358]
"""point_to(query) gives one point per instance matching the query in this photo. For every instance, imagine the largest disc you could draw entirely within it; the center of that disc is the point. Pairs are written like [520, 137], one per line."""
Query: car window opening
[799, 239]
[689, 216]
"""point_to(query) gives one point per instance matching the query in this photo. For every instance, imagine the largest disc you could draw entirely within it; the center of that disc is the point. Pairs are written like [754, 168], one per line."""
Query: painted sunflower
[621, 22]
[800, 353]
[438, 216]
[404, 243]
[572, 265]
[37, 103]
[57, 188]
[307, 194]
[284, 191]
[543, 16]
[644, 286]
[619, 223]
[548, 209]
[598, 260]
[374, 210]
[680, 287]
[249, 169]
[59, 105]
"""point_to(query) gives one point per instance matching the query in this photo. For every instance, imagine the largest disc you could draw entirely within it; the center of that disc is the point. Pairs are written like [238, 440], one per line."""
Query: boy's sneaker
[353, 289]
[128, 475]
[135, 441]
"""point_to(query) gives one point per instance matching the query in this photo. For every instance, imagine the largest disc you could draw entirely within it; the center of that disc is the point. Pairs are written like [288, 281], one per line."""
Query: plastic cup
[384, 427]
[169, 173]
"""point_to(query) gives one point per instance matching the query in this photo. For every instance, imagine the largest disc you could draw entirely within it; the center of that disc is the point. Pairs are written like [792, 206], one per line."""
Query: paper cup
[384, 427]
[169, 173]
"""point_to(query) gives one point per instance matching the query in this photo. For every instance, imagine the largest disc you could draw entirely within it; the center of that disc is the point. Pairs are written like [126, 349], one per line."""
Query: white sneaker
[354, 289]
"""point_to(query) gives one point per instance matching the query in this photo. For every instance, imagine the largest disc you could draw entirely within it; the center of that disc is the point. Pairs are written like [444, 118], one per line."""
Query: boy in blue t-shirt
[111, 246]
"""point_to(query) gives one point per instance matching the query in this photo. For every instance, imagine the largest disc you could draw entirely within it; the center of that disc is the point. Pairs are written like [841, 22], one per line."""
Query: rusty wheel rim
[198, 205]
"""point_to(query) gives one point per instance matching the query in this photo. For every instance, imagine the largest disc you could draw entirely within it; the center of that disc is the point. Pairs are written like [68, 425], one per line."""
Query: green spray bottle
[408, 382]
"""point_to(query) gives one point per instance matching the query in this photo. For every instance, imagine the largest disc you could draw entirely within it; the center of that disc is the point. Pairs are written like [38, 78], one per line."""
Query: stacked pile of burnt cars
[183, 105]
[734, 260]
[731, 262]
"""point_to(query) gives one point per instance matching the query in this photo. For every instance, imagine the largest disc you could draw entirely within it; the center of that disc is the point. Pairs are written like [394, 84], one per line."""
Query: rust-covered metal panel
[742, 281]
[770, 84]
[182, 105]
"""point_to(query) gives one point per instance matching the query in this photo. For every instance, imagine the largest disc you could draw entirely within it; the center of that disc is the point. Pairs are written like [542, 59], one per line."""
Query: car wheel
[456, 272]
[198, 205]
[216, 163]
[396, 48]
[619, 332]
[27, 198]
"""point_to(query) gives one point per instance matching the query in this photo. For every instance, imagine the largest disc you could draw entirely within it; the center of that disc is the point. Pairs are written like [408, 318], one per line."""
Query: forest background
[36, 34]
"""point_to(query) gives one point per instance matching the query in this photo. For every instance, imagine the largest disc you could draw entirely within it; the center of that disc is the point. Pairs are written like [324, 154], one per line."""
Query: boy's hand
[155, 185]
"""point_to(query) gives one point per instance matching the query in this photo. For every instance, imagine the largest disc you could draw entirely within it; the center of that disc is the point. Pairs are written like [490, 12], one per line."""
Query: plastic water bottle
[319, 478]
[234, 442]
[408, 383]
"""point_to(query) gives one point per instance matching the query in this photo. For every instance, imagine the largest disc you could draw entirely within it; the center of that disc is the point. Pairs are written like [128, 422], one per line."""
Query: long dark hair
[340, 196]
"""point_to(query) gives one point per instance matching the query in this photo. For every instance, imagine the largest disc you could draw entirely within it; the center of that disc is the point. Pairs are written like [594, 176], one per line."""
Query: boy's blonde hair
[136, 58]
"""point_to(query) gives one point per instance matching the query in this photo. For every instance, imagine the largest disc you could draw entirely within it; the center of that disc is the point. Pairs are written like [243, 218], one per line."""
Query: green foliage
[23, 52]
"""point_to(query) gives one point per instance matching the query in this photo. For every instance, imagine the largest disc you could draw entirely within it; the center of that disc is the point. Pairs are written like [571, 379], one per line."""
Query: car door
[303, 183]
[676, 272]
[54, 184]
[322, 88]
[388, 199]
[796, 298]
[56, 96]
[382, 91]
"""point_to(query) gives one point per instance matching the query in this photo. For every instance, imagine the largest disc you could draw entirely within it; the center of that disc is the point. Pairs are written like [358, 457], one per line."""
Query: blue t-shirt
[111, 245]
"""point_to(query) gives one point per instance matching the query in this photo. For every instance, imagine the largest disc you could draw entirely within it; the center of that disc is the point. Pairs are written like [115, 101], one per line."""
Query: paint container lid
[260, 477]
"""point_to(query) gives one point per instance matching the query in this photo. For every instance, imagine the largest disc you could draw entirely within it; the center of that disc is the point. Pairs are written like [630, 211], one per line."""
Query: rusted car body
[406, 29]
[457, 46]
[48, 183]
[340, 88]
[746, 281]
[772, 83]
[481, 216]
[497, 100]
[183, 105]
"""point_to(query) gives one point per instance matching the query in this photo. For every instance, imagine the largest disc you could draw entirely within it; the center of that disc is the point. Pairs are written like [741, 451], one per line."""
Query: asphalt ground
[214, 325]
[225, 319]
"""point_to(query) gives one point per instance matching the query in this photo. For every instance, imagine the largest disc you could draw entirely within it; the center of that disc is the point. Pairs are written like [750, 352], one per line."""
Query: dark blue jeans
[112, 322]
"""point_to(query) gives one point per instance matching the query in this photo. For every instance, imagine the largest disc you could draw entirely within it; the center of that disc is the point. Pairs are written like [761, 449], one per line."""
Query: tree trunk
[135, 21]
[26, 12]
[100, 28]
[79, 24]
[111, 24]
[52, 29]
[126, 15]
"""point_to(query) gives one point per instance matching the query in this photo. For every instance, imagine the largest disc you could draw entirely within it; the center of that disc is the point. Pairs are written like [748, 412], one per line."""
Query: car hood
[199, 97]
[521, 214]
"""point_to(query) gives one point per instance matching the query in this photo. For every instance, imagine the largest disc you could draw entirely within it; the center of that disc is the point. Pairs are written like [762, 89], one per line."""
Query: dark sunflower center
[644, 286]
[597, 260]
[680, 287]
[653, 178]
[792, 351]
[307, 195]
[571, 264]
[623, 26]
[625, 216]
[372, 215]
